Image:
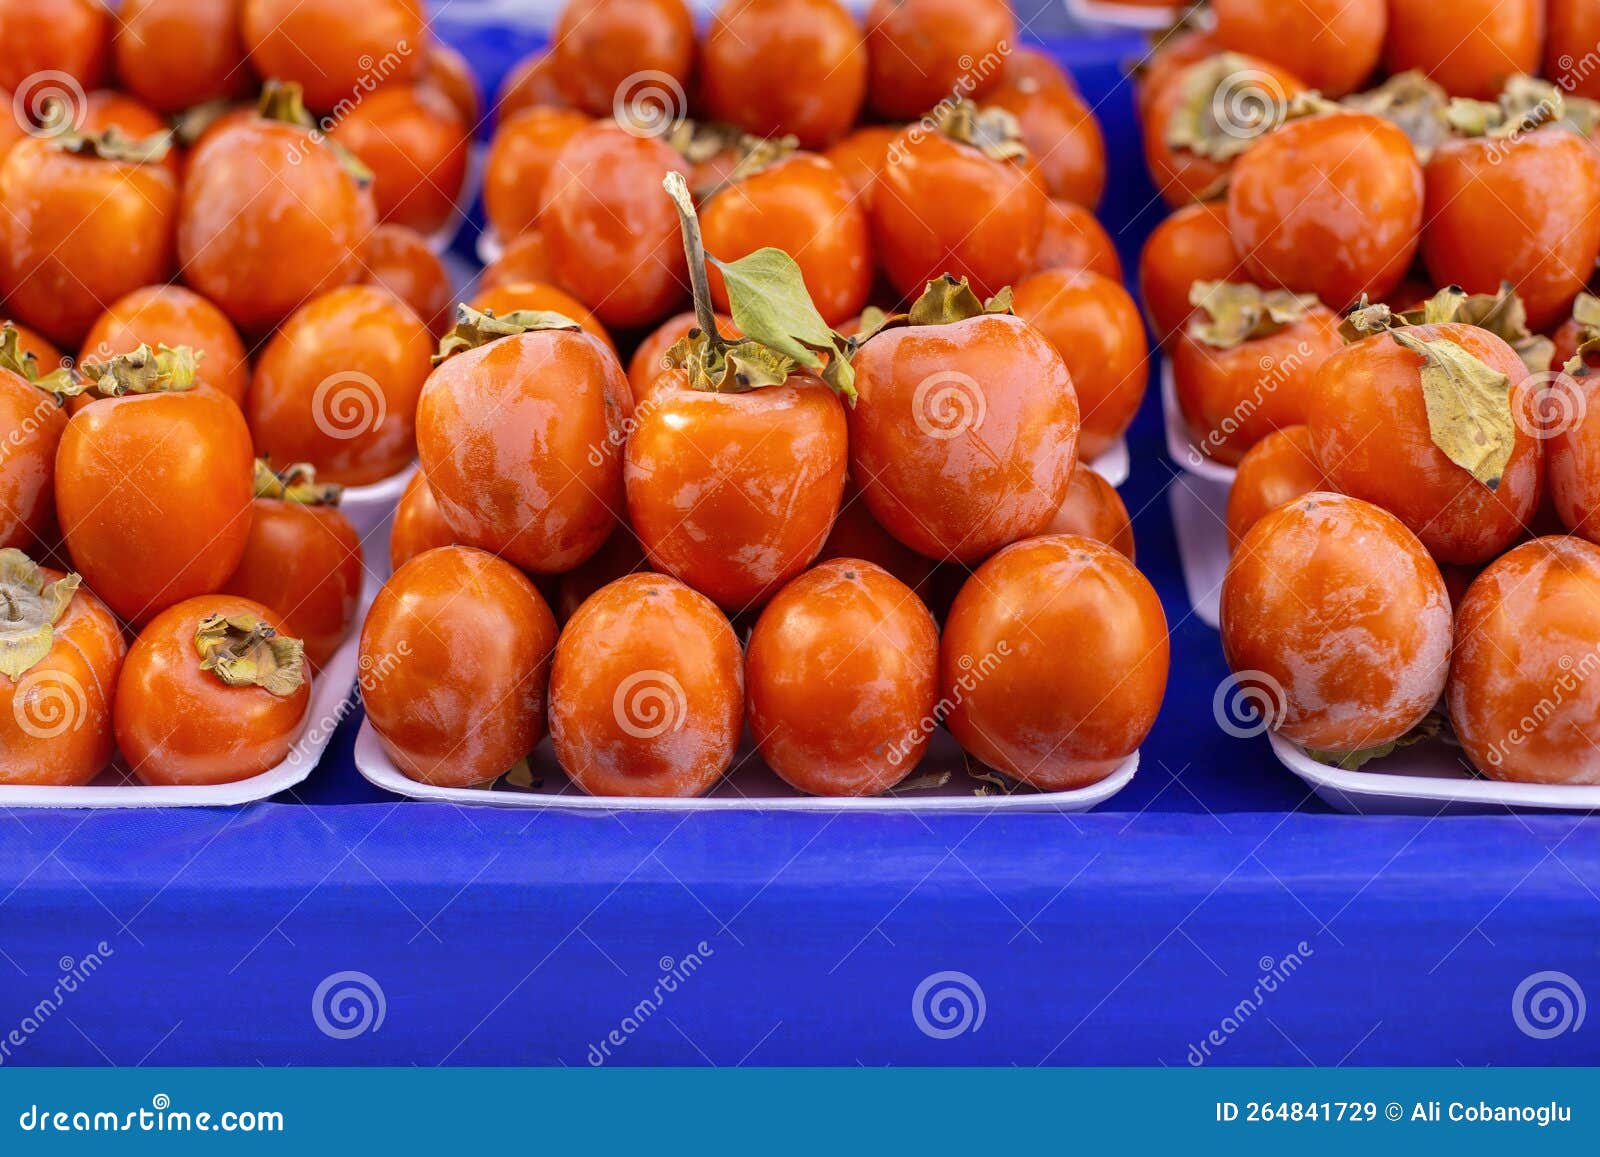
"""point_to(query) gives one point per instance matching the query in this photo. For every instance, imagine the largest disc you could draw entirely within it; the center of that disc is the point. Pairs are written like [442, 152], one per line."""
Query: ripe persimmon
[334, 52]
[1094, 509]
[1279, 468]
[176, 54]
[414, 141]
[170, 315]
[521, 158]
[418, 526]
[1191, 244]
[604, 51]
[1471, 47]
[1332, 45]
[922, 51]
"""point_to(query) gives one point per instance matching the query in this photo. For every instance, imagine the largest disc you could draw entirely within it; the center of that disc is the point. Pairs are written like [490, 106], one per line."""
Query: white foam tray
[1113, 464]
[367, 507]
[1122, 15]
[1428, 779]
[750, 787]
[1198, 498]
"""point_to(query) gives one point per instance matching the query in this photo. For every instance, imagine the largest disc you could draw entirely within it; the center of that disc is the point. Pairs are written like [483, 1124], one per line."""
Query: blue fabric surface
[1138, 934]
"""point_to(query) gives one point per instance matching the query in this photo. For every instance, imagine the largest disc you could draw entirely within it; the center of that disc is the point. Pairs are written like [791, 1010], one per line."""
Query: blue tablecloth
[1211, 913]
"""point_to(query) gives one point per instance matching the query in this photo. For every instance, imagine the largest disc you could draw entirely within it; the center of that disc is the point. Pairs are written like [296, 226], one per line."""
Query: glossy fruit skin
[1055, 656]
[1073, 238]
[842, 680]
[1370, 428]
[1572, 29]
[1094, 509]
[451, 73]
[415, 142]
[1233, 398]
[179, 726]
[943, 207]
[268, 220]
[304, 562]
[649, 360]
[337, 386]
[174, 316]
[1333, 612]
[1526, 210]
[456, 660]
[332, 54]
[1095, 326]
[521, 158]
[521, 442]
[104, 108]
[621, 555]
[919, 51]
[1278, 469]
[398, 259]
[1330, 205]
[612, 234]
[530, 82]
[79, 232]
[1333, 45]
[1521, 696]
[418, 526]
[1065, 145]
[1471, 47]
[535, 296]
[598, 45]
[804, 206]
[55, 719]
[750, 40]
[861, 156]
[151, 35]
[647, 691]
[1192, 244]
[856, 534]
[739, 528]
[70, 36]
[525, 258]
[32, 422]
[181, 531]
[963, 436]
[1572, 462]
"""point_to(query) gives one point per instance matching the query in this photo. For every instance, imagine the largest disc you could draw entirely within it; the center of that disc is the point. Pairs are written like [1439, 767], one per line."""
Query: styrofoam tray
[1429, 779]
[1180, 447]
[1113, 464]
[1123, 15]
[332, 697]
[368, 506]
[1200, 521]
[750, 787]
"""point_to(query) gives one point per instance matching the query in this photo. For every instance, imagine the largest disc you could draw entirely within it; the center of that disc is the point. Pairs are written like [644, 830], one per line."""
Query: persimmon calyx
[164, 370]
[1432, 726]
[994, 132]
[191, 124]
[1411, 102]
[297, 484]
[1232, 313]
[30, 607]
[1501, 313]
[700, 142]
[479, 327]
[61, 382]
[115, 145]
[1468, 405]
[1227, 102]
[1525, 104]
[1586, 312]
[944, 301]
[243, 651]
[767, 296]
[285, 102]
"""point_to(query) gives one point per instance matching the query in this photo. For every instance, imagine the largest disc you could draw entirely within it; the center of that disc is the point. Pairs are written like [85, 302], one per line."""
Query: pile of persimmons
[1375, 297]
[837, 496]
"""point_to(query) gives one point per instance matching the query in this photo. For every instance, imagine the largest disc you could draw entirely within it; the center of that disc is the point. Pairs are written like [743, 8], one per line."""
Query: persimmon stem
[695, 250]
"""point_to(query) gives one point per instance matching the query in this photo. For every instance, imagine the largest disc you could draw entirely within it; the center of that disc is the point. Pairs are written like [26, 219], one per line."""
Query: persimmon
[516, 172]
[270, 217]
[921, 51]
[1572, 31]
[524, 258]
[856, 534]
[1247, 364]
[649, 360]
[399, 260]
[751, 39]
[861, 156]
[1094, 509]
[1065, 145]
[611, 237]
[106, 109]
[87, 219]
[1055, 659]
[1332, 45]
[418, 526]
[1467, 498]
[1031, 69]
[33, 414]
[171, 315]
[1580, 330]
[647, 691]
[842, 680]
[302, 559]
[530, 82]
[1192, 244]
[1171, 52]
[1329, 204]
[1095, 326]
[534, 297]
[519, 431]
[337, 386]
[802, 205]
[455, 655]
[1336, 620]
[599, 48]
[333, 52]
[58, 675]
[182, 530]
[621, 555]
[957, 199]
[176, 54]
[965, 430]
[1279, 468]
[45, 36]
[450, 72]
[1527, 642]
[1073, 238]
[415, 143]
[1570, 418]
[46, 356]
[1471, 47]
